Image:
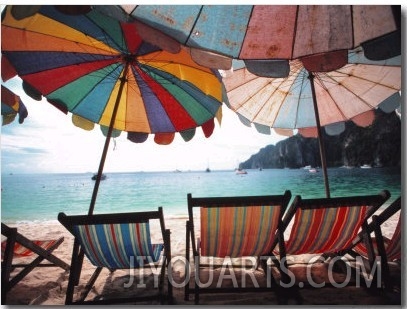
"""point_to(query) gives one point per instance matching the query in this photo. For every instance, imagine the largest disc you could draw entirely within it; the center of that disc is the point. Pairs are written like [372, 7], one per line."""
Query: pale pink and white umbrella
[311, 98]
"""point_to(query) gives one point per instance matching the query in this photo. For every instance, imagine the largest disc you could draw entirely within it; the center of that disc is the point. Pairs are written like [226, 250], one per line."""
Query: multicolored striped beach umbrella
[86, 63]
[11, 105]
[103, 72]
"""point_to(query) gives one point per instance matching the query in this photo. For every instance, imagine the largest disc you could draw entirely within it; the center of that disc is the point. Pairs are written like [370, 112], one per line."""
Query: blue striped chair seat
[118, 246]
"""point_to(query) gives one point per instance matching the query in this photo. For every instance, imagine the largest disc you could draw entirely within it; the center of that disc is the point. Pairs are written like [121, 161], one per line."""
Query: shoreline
[183, 216]
[48, 285]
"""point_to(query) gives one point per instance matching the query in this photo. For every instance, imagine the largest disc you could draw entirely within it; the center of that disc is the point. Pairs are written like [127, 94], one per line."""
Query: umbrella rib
[278, 81]
[166, 63]
[304, 76]
[102, 81]
[264, 105]
[62, 38]
[193, 26]
[247, 29]
[240, 105]
[111, 40]
[80, 45]
[320, 81]
[295, 29]
[330, 77]
[108, 38]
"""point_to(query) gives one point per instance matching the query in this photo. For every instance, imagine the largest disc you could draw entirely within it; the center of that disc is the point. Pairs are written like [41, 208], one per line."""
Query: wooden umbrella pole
[320, 138]
[107, 141]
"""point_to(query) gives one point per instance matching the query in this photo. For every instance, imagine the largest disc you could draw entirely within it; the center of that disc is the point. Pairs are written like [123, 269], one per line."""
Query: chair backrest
[116, 241]
[328, 224]
[19, 249]
[238, 226]
[393, 248]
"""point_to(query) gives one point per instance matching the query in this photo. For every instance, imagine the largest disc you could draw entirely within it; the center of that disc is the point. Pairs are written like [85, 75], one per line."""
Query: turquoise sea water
[40, 197]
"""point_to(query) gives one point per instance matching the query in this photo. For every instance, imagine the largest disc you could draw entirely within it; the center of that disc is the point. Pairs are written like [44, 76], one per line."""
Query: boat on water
[103, 177]
[240, 171]
[312, 170]
[366, 166]
[347, 166]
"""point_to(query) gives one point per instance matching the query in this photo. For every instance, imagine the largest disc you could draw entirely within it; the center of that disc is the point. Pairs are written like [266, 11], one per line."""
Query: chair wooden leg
[14, 237]
[90, 284]
[29, 267]
[74, 274]
[6, 265]
[167, 262]
[187, 264]
[382, 253]
[79, 262]
[197, 279]
[46, 254]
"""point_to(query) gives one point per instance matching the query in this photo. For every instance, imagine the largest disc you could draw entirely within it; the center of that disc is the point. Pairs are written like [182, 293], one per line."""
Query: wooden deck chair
[388, 249]
[327, 226]
[34, 252]
[232, 227]
[117, 241]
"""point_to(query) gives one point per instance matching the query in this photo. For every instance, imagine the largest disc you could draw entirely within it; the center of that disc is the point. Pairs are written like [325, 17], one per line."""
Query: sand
[47, 286]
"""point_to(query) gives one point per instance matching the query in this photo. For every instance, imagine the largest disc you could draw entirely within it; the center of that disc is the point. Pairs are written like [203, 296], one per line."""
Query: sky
[48, 142]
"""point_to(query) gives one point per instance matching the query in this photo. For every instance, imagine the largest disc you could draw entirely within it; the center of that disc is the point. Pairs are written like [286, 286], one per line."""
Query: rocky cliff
[377, 145]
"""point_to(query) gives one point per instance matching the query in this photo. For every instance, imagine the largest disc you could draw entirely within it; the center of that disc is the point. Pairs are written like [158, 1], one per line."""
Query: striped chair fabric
[238, 231]
[393, 249]
[324, 230]
[392, 246]
[21, 251]
[114, 245]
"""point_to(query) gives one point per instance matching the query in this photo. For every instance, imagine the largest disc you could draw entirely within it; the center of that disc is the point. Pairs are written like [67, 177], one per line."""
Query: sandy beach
[47, 286]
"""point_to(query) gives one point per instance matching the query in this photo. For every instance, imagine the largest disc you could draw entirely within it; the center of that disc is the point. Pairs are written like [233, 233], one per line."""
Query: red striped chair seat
[361, 248]
[30, 253]
[21, 251]
[393, 249]
[324, 230]
[328, 225]
[238, 231]
[233, 227]
[372, 247]
[392, 245]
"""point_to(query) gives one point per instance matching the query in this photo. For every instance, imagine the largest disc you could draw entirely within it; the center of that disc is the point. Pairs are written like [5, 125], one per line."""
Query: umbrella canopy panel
[287, 103]
[77, 62]
[275, 31]
[11, 105]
